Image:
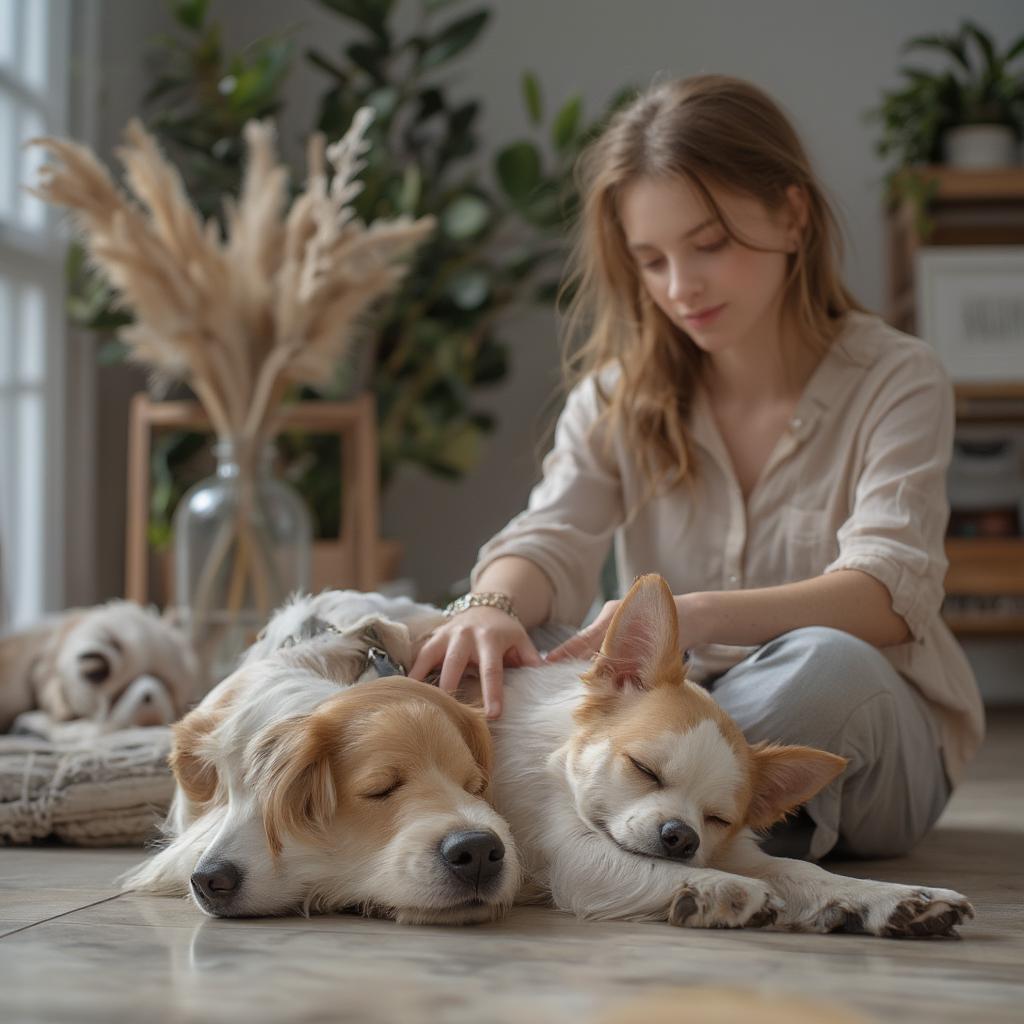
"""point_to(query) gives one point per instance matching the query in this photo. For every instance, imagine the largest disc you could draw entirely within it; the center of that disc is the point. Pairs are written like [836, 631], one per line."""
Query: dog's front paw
[922, 913]
[724, 903]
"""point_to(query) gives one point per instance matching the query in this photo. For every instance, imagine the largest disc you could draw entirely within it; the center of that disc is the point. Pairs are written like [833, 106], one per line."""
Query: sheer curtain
[34, 47]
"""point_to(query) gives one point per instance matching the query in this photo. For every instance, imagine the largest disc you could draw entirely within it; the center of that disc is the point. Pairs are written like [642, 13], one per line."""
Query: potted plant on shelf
[969, 114]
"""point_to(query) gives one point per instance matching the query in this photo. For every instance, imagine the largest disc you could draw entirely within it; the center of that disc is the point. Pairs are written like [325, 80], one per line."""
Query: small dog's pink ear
[786, 777]
[641, 648]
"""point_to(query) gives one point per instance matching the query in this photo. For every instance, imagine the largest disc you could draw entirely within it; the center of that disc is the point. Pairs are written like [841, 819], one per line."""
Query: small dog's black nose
[678, 840]
[473, 857]
[217, 883]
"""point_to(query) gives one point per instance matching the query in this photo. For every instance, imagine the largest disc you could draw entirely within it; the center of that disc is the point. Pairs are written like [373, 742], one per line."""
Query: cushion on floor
[74, 782]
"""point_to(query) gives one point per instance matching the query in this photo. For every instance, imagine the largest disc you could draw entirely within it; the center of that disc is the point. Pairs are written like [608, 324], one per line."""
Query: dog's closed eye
[383, 791]
[94, 666]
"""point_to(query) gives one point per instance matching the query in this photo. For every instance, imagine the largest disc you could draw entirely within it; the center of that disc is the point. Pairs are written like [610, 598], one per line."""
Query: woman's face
[722, 293]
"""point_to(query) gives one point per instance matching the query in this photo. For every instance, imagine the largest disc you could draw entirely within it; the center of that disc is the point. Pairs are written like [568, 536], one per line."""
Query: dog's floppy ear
[189, 760]
[293, 776]
[786, 777]
[473, 727]
[47, 683]
[641, 647]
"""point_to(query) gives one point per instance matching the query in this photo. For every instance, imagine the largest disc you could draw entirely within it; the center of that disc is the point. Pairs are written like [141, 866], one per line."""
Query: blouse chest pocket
[809, 541]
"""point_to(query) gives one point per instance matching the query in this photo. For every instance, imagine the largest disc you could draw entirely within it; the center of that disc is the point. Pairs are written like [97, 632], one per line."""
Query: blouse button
[733, 579]
[796, 422]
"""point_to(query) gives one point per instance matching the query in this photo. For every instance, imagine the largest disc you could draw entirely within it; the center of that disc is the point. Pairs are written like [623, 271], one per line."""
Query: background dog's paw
[729, 903]
[923, 913]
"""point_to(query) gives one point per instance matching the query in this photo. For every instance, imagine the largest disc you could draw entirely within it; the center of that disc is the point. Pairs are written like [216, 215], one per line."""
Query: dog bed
[76, 783]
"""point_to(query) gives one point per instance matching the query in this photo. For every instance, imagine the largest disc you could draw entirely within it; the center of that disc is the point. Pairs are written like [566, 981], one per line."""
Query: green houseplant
[979, 86]
[499, 244]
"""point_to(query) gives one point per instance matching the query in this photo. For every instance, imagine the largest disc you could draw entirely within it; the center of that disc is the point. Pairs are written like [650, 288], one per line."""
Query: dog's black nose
[473, 857]
[217, 884]
[678, 840]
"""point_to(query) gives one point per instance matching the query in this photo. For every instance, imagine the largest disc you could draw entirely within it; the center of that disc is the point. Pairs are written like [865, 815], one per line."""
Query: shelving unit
[968, 208]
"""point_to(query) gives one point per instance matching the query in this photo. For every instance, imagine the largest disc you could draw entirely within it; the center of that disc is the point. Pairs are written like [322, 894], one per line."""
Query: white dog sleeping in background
[115, 665]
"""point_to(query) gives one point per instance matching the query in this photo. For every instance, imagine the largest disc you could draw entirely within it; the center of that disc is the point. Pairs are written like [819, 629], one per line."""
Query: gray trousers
[824, 688]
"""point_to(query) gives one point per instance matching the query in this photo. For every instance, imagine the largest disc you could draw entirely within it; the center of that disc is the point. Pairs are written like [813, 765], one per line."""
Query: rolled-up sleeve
[896, 529]
[573, 512]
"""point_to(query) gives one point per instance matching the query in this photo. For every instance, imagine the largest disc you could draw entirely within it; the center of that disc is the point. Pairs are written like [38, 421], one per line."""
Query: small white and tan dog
[117, 664]
[633, 795]
[300, 792]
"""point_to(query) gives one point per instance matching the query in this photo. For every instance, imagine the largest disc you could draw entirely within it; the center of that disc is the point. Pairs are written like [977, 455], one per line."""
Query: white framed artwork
[970, 306]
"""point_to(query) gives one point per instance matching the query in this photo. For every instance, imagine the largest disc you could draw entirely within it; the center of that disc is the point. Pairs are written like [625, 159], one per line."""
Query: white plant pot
[980, 145]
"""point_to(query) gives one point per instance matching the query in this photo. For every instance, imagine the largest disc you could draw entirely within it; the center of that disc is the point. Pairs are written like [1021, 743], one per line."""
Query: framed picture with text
[970, 306]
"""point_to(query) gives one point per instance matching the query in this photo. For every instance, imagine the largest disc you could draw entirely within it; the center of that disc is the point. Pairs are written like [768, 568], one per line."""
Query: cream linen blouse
[858, 480]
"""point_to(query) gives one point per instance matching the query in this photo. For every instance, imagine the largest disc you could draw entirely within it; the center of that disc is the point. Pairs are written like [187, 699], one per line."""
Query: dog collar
[377, 659]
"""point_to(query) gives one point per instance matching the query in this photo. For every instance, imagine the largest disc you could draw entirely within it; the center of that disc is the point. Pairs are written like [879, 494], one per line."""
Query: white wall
[825, 61]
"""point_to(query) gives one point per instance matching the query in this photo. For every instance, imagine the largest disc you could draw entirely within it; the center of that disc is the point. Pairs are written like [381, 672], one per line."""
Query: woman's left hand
[589, 639]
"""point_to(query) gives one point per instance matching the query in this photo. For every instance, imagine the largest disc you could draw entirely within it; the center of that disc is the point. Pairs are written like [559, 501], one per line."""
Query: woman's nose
[682, 286]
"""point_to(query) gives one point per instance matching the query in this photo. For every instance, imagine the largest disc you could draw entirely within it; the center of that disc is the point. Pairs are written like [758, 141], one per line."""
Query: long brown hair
[709, 130]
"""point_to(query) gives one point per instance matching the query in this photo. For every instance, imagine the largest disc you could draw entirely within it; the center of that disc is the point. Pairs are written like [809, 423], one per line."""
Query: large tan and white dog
[633, 795]
[298, 791]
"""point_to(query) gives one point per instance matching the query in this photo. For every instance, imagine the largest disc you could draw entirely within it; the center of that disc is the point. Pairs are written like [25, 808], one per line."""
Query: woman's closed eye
[714, 246]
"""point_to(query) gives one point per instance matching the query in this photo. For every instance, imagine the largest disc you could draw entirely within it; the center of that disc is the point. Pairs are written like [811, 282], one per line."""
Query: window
[33, 59]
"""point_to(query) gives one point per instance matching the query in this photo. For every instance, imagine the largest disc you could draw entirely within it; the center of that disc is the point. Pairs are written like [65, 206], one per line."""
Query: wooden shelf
[985, 625]
[974, 186]
[984, 566]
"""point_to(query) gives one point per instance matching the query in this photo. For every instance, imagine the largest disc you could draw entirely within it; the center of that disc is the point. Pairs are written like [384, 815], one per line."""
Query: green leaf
[112, 353]
[532, 97]
[366, 57]
[453, 39]
[384, 101]
[412, 190]
[466, 217]
[518, 167]
[190, 13]
[566, 124]
[470, 289]
[371, 14]
[325, 64]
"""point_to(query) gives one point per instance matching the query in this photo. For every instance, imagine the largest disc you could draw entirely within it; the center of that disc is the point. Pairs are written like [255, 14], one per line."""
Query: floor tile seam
[66, 913]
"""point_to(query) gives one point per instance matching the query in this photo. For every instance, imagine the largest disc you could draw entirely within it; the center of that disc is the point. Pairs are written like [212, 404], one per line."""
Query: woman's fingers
[431, 655]
[491, 682]
[581, 645]
[455, 661]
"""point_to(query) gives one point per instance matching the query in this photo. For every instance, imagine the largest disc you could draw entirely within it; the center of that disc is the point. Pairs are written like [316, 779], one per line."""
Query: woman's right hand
[486, 637]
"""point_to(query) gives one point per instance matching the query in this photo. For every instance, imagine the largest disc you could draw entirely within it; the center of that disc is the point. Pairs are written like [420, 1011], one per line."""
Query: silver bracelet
[485, 600]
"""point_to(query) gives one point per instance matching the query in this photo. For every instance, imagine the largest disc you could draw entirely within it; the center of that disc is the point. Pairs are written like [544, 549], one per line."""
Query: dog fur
[118, 664]
[593, 759]
[323, 795]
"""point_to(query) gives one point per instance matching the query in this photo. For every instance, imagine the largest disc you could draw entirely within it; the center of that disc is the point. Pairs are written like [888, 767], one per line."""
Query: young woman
[737, 423]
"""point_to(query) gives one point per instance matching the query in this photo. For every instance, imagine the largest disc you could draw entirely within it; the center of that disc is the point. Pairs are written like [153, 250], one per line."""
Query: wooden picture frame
[351, 561]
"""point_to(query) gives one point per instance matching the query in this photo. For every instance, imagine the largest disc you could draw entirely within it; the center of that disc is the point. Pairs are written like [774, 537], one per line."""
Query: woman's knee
[832, 665]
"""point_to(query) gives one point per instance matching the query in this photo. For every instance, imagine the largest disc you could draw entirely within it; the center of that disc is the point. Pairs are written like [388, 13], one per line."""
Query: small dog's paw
[732, 903]
[927, 912]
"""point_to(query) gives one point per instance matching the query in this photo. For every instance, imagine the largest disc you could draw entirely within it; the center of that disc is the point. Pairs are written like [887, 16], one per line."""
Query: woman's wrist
[696, 616]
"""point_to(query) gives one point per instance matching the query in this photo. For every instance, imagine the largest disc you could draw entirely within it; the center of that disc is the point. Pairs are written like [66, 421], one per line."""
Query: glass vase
[242, 544]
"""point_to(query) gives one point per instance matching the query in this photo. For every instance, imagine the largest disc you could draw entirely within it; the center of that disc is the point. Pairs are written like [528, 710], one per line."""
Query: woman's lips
[703, 317]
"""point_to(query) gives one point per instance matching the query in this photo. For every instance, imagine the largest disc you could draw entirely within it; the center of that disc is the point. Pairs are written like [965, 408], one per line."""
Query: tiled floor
[72, 950]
